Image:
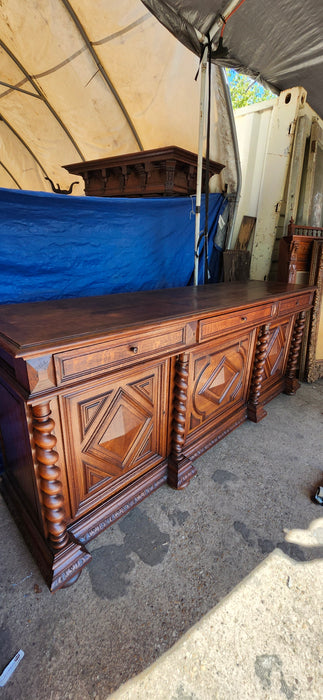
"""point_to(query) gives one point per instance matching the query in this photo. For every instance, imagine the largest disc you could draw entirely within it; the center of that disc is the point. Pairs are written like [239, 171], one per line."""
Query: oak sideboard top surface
[47, 325]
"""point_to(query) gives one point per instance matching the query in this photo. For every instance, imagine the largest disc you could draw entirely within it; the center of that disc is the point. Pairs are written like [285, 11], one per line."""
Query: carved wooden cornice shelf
[169, 171]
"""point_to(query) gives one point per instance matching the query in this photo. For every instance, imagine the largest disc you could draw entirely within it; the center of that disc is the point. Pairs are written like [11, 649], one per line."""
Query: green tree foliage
[242, 94]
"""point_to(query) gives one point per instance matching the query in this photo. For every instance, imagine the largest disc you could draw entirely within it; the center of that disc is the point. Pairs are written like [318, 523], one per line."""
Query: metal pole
[236, 154]
[199, 166]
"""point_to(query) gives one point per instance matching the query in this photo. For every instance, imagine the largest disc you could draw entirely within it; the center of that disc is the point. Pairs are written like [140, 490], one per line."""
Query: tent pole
[236, 154]
[199, 166]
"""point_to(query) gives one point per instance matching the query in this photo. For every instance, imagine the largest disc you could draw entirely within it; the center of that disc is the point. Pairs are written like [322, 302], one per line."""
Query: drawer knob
[134, 348]
[243, 318]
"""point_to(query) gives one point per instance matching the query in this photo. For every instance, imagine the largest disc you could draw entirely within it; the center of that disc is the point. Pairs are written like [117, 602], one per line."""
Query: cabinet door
[115, 430]
[219, 380]
[276, 358]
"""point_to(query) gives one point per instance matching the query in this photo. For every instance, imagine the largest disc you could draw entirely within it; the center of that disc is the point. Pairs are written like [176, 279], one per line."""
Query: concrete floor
[225, 577]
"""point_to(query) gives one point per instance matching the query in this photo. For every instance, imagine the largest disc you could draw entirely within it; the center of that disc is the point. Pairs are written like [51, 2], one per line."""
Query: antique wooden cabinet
[103, 399]
[295, 252]
[159, 172]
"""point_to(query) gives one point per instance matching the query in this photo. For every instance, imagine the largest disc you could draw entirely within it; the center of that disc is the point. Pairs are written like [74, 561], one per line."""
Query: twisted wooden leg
[255, 410]
[49, 474]
[291, 383]
[180, 468]
[68, 556]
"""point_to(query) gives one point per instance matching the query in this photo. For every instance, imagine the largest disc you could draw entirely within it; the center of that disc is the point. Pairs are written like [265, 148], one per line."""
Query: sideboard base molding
[67, 565]
[62, 569]
[256, 413]
[291, 386]
[272, 389]
[59, 569]
[180, 472]
[215, 433]
[89, 526]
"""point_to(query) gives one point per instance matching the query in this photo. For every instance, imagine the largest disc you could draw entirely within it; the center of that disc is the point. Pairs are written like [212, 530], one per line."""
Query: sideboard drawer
[295, 303]
[210, 327]
[89, 361]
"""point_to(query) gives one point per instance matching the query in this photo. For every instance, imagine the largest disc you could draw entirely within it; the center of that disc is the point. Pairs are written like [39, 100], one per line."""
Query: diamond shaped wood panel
[112, 433]
[121, 427]
[276, 350]
[219, 379]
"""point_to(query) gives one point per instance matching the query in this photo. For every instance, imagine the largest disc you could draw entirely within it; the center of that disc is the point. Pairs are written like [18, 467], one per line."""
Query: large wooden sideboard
[104, 399]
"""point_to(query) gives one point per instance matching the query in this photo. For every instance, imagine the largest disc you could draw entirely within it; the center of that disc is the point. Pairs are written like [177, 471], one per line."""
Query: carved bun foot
[180, 472]
[67, 565]
[256, 413]
[291, 385]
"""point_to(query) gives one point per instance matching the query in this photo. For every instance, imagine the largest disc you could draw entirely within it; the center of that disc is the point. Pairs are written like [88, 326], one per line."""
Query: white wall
[265, 136]
[252, 125]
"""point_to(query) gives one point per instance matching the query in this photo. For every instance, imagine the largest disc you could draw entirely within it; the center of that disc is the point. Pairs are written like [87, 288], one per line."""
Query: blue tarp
[55, 246]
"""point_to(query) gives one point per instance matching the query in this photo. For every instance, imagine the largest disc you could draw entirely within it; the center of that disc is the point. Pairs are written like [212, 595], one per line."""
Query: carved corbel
[170, 174]
[142, 175]
[123, 177]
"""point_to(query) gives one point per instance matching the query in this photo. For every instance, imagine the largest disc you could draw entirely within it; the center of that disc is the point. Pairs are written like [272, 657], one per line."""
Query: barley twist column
[255, 410]
[49, 475]
[180, 468]
[291, 383]
[179, 406]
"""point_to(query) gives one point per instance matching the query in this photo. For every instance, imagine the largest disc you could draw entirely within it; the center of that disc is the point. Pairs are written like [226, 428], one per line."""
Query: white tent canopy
[82, 80]
[277, 42]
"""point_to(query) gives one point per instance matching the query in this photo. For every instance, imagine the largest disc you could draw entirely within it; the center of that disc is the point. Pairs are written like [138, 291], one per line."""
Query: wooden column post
[68, 556]
[255, 410]
[180, 468]
[49, 474]
[291, 383]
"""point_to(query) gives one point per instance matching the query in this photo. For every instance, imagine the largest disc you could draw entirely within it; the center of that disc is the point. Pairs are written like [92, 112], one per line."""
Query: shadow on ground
[163, 566]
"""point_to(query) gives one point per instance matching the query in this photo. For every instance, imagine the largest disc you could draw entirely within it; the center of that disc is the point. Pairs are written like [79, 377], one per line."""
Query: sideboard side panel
[19, 467]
